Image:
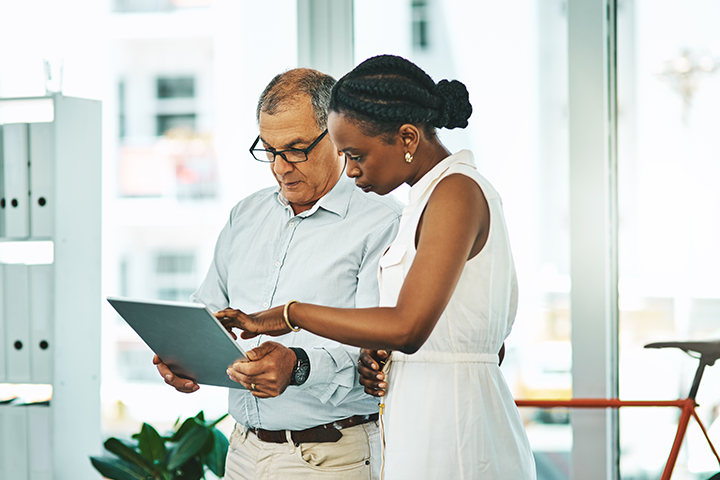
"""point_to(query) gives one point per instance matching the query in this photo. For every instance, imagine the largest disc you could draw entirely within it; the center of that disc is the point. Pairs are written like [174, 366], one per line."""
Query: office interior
[596, 120]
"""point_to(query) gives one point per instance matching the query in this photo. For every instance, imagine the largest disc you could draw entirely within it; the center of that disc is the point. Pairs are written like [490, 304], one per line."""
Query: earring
[408, 157]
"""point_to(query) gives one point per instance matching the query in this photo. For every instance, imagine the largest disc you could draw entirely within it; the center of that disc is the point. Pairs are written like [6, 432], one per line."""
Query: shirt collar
[418, 190]
[335, 201]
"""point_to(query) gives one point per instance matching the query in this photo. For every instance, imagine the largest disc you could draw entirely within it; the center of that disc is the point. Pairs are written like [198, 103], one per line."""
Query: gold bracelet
[287, 319]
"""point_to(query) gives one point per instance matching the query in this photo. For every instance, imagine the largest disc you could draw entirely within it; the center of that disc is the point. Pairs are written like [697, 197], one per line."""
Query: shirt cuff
[333, 373]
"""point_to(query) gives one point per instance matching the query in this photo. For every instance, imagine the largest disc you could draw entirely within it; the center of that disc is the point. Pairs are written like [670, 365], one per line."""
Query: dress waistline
[446, 357]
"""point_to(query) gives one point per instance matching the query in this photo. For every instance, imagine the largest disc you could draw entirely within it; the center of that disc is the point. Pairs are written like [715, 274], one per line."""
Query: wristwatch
[301, 370]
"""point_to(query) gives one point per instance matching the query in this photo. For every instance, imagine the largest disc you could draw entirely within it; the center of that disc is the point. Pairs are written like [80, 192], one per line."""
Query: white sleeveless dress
[449, 413]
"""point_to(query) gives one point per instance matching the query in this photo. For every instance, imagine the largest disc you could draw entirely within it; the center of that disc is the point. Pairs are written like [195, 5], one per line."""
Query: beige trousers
[356, 456]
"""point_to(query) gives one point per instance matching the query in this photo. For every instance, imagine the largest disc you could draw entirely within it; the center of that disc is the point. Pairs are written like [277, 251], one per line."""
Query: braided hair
[385, 92]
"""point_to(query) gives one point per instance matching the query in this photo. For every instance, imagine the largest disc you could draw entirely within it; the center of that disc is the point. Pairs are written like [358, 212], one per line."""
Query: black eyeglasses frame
[265, 153]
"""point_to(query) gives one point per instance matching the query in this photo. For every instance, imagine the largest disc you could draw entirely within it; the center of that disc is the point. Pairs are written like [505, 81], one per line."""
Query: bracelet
[287, 319]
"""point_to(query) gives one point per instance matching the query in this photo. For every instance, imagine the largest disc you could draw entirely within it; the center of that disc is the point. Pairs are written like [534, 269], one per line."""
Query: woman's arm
[454, 228]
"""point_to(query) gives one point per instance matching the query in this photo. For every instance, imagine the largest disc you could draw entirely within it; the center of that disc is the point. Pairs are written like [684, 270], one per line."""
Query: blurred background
[179, 80]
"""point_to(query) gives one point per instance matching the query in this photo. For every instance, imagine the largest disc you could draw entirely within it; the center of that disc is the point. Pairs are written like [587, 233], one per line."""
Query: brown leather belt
[330, 432]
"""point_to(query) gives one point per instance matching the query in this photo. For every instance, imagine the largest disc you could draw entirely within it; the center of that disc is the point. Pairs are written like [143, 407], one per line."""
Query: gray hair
[288, 86]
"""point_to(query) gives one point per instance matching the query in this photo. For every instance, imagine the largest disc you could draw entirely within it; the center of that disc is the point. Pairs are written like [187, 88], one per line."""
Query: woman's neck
[428, 154]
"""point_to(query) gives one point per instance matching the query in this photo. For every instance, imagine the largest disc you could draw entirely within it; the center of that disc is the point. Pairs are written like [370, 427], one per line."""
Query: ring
[252, 387]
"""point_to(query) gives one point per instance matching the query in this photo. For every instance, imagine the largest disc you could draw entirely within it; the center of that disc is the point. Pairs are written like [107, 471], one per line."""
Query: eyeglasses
[293, 155]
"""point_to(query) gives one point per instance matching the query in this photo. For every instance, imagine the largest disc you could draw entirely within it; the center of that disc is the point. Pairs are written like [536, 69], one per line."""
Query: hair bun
[455, 108]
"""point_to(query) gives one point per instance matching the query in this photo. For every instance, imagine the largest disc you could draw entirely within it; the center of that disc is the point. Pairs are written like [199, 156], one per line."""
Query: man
[314, 238]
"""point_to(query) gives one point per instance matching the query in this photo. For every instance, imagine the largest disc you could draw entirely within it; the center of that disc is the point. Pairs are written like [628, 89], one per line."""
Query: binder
[42, 174]
[2, 328]
[17, 324]
[41, 305]
[39, 446]
[16, 181]
[13, 443]
[2, 184]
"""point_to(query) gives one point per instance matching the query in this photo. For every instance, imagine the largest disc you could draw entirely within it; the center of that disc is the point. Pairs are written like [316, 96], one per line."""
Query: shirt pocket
[391, 275]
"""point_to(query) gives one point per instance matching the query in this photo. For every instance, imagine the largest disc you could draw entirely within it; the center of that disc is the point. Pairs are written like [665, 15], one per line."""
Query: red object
[687, 406]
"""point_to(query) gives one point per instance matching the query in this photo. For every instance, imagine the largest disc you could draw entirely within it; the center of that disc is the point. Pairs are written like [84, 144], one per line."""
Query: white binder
[15, 180]
[13, 442]
[17, 324]
[42, 173]
[39, 446]
[2, 327]
[2, 185]
[41, 306]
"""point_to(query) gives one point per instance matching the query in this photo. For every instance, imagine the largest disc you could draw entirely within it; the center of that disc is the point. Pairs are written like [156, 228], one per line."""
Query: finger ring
[252, 387]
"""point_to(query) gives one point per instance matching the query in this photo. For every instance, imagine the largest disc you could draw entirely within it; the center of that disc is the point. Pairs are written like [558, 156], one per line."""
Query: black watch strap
[301, 370]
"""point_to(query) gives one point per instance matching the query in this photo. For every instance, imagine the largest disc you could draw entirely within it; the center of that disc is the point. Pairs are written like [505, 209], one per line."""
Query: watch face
[302, 373]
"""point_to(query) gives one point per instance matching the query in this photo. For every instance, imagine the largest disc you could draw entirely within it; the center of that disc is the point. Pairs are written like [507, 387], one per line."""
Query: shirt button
[265, 305]
[291, 224]
[277, 264]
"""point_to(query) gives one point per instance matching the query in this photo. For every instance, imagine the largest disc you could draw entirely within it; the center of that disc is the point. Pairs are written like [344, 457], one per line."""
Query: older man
[314, 238]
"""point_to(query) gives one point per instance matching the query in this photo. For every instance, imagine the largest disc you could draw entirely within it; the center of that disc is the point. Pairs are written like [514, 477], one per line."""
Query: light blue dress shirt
[328, 255]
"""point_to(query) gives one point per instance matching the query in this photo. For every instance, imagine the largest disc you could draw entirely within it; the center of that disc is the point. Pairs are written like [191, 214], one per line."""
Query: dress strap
[446, 357]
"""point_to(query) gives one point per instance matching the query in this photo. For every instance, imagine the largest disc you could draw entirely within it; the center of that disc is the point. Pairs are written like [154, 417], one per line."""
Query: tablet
[186, 336]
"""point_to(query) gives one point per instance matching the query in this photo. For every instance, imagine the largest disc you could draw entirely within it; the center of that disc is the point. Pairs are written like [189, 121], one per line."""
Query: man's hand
[370, 365]
[181, 384]
[269, 322]
[266, 372]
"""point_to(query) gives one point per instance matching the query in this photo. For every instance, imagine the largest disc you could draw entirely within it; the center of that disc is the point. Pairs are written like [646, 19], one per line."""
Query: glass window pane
[669, 90]
[176, 87]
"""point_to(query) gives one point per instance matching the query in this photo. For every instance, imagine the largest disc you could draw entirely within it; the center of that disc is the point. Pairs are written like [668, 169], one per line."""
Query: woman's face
[373, 164]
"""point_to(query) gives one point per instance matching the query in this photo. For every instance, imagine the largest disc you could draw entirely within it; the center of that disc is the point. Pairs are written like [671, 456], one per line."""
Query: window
[174, 263]
[169, 122]
[420, 24]
[121, 109]
[176, 87]
[668, 150]
[175, 276]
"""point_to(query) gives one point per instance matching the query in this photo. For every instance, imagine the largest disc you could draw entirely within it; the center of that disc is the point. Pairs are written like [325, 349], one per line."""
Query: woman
[448, 291]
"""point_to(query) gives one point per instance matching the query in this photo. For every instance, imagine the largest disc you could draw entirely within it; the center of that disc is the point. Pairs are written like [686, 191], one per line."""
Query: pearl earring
[408, 157]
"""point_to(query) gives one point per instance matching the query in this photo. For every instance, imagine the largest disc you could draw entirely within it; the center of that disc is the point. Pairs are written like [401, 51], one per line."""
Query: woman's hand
[370, 365]
[269, 322]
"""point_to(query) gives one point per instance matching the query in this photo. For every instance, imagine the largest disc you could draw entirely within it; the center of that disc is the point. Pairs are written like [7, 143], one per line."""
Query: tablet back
[186, 336]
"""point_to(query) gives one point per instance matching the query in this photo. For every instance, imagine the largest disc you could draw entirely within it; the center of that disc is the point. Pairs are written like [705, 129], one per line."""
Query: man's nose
[281, 166]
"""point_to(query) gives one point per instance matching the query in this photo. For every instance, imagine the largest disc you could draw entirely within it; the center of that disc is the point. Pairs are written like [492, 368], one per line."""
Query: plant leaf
[201, 417]
[152, 445]
[209, 443]
[187, 447]
[129, 443]
[191, 470]
[186, 426]
[117, 469]
[129, 455]
[215, 460]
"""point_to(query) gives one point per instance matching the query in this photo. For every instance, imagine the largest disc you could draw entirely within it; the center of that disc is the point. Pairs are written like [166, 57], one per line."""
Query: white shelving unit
[50, 208]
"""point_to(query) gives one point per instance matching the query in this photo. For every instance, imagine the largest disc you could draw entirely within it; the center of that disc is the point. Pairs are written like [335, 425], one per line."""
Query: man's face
[302, 184]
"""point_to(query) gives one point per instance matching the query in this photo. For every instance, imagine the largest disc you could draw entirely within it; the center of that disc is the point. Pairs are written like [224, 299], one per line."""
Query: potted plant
[184, 454]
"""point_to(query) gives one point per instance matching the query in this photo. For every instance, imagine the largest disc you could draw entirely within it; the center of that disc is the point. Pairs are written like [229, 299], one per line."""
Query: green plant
[183, 454]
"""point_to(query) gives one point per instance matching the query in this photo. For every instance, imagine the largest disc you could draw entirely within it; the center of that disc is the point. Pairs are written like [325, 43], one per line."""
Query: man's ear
[410, 137]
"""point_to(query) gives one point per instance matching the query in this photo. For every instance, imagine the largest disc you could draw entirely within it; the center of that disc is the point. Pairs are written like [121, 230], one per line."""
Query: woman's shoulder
[468, 169]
